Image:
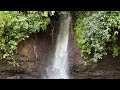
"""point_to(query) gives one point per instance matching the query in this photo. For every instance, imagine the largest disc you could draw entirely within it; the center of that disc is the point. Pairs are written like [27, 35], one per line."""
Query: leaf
[45, 13]
[25, 25]
[27, 36]
[53, 12]
[116, 32]
[118, 27]
[5, 55]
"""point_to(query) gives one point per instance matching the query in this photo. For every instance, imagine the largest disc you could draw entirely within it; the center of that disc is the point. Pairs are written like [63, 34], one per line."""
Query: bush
[15, 26]
[95, 29]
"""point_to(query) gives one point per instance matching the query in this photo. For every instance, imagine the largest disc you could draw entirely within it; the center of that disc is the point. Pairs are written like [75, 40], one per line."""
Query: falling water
[59, 67]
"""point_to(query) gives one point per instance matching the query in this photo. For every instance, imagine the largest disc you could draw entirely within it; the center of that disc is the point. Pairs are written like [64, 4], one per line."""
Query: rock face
[74, 51]
[33, 50]
[28, 54]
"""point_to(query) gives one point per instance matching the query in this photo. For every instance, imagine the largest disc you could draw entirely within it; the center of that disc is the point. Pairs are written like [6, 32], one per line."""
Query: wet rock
[18, 77]
[10, 78]
[13, 77]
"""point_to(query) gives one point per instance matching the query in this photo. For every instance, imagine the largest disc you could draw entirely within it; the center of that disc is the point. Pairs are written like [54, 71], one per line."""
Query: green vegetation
[16, 26]
[97, 33]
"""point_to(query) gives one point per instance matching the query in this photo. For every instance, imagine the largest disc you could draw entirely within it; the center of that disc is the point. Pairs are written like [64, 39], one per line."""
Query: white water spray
[59, 68]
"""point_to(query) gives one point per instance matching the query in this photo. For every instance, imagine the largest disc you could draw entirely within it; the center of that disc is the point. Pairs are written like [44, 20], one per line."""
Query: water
[59, 68]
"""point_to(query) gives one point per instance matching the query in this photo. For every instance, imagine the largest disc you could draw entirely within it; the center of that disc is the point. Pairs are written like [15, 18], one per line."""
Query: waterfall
[59, 68]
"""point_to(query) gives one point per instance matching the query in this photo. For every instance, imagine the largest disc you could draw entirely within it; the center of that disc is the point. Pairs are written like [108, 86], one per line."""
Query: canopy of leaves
[15, 26]
[95, 29]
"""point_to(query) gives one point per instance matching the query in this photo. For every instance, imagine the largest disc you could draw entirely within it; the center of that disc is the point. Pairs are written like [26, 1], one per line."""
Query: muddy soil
[108, 68]
[101, 71]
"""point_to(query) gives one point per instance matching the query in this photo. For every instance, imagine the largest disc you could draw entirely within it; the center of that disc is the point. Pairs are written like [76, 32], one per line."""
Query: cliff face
[34, 51]
[73, 49]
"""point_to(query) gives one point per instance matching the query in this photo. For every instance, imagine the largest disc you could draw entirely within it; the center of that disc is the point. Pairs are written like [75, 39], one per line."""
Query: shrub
[95, 29]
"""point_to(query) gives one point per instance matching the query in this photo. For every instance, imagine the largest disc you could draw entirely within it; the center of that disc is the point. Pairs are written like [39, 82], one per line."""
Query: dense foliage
[97, 33]
[15, 26]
